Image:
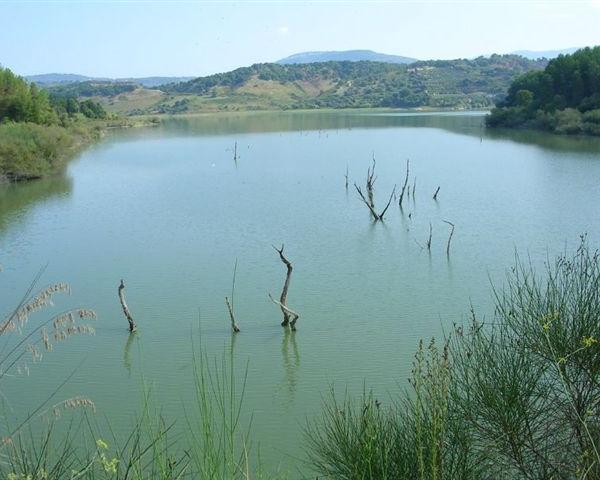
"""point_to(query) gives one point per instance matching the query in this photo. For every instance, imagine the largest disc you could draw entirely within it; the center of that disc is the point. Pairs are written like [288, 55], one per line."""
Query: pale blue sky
[141, 38]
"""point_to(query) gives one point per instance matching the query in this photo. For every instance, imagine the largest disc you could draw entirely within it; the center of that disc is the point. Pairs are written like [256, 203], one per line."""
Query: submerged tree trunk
[429, 239]
[287, 313]
[405, 184]
[132, 325]
[450, 237]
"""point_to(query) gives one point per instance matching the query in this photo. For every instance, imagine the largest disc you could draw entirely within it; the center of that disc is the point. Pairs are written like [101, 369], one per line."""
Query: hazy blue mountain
[340, 56]
[151, 82]
[533, 54]
[48, 79]
[56, 78]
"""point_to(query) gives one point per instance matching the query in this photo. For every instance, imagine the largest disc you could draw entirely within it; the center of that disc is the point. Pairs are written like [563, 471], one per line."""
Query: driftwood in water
[369, 200]
[405, 184]
[370, 183]
[289, 316]
[450, 237]
[367, 203]
[346, 177]
[436, 193]
[294, 316]
[132, 325]
[376, 216]
[429, 239]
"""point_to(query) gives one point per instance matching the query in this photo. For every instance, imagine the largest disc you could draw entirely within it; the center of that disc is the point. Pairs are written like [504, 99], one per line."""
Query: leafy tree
[556, 97]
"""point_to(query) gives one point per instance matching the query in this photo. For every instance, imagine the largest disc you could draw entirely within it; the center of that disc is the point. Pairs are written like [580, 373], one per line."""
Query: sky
[133, 38]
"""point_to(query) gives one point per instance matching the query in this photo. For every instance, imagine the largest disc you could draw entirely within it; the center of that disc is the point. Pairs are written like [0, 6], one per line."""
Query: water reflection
[291, 363]
[126, 352]
[547, 141]
[18, 199]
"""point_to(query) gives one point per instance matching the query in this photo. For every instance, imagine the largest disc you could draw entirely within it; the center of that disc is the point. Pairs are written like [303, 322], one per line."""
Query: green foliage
[442, 84]
[518, 398]
[92, 89]
[29, 151]
[33, 138]
[22, 102]
[554, 99]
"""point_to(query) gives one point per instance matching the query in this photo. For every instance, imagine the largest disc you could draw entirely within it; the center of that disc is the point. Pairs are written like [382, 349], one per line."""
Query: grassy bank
[29, 151]
[39, 132]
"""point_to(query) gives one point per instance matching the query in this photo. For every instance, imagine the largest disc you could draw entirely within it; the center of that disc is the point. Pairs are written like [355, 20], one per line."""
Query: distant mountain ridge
[343, 56]
[549, 54]
[53, 79]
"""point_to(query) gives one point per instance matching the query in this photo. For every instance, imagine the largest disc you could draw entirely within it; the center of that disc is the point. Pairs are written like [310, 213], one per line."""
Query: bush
[29, 151]
[518, 398]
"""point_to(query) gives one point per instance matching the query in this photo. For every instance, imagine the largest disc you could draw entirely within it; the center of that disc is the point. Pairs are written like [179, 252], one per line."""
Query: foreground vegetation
[516, 397]
[563, 98]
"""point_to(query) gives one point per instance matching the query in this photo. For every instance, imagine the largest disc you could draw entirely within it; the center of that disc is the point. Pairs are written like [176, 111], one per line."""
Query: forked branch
[287, 313]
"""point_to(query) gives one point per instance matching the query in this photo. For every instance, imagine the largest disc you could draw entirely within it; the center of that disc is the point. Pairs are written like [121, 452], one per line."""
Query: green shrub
[28, 150]
[516, 398]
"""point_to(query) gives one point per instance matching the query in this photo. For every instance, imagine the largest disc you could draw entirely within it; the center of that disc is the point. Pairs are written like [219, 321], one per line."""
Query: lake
[169, 210]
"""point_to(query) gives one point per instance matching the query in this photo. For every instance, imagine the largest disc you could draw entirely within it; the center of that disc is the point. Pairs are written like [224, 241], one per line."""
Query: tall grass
[514, 398]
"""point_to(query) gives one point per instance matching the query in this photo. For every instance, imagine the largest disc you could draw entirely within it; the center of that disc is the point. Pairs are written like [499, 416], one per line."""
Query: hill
[458, 84]
[563, 98]
[344, 56]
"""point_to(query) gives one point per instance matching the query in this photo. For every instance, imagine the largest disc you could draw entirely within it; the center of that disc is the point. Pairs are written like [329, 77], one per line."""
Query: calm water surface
[169, 210]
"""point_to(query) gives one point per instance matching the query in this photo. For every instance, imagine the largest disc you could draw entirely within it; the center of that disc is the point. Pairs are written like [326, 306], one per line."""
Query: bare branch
[132, 325]
[429, 239]
[450, 237]
[405, 184]
[288, 310]
[388, 204]
[284, 292]
[366, 202]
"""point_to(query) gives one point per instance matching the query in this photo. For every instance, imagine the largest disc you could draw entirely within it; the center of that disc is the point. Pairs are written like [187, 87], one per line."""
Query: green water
[169, 210]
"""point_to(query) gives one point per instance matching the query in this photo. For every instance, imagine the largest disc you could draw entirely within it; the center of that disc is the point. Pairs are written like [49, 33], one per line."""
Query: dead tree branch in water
[288, 310]
[450, 237]
[405, 184]
[346, 176]
[388, 204]
[436, 192]
[234, 325]
[132, 325]
[376, 216]
[287, 313]
[235, 155]
[414, 187]
[366, 202]
[370, 183]
[429, 239]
